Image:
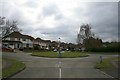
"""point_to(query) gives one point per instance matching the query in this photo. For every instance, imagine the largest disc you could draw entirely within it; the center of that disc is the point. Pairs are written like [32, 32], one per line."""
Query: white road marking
[60, 70]
[60, 73]
[105, 73]
[59, 62]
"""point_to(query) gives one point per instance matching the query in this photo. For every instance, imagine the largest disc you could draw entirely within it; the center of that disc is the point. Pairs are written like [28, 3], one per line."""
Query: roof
[19, 35]
[38, 39]
[14, 35]
[27, 37]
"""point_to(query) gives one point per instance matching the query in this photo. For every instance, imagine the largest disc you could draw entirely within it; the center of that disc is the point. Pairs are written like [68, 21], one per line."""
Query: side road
[39, 67]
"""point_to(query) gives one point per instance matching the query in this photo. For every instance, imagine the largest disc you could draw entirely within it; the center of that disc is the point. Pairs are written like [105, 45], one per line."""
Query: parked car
[7, 49]
[55, 50]
[21, 49]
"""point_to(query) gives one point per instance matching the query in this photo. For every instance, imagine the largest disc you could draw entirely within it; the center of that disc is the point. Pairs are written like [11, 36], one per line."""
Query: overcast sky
[51, 19]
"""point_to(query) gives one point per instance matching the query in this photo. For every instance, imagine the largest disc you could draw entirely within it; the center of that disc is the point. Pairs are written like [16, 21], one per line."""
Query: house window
[24, 39]
[11, 43]
[18, 39]
[27, 45]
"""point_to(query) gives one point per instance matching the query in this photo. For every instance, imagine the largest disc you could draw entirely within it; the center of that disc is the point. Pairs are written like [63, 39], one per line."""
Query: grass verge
[106, 63]
[65, 54]
[15, 67]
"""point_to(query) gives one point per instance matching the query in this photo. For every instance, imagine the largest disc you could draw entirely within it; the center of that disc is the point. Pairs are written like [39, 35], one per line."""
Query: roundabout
[41, 67]
[63, 54]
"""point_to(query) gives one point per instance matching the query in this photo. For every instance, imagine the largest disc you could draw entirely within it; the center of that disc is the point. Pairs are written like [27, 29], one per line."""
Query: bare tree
[84, 33]
[9, 27]
[87, 38]
[2, 20]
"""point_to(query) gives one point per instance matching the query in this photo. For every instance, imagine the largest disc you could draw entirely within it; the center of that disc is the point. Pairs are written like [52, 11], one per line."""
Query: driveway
[39, 67]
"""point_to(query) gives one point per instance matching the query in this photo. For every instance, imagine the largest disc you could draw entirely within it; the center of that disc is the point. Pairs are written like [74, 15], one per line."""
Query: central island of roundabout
[63, 54]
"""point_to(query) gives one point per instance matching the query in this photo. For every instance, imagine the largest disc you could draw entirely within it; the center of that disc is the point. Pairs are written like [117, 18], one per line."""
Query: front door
[18, 46]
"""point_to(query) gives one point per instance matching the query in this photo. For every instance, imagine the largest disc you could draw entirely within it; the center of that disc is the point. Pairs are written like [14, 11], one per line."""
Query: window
[18, 39]
[11, 43]
[24, 39]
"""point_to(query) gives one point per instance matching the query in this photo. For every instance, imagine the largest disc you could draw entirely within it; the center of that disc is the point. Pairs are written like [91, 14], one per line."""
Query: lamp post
[59, 51]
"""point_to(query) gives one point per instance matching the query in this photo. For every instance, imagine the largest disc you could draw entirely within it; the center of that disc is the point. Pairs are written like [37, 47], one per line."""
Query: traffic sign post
[59, 53]
[100, 59]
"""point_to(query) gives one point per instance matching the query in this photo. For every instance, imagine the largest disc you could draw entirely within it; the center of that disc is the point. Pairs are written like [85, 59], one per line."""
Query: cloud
[103, 21]
[31, 4]
[50, 10]
[53, 19]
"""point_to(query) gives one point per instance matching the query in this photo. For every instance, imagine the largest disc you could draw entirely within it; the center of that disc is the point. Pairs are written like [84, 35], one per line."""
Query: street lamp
[59, 51]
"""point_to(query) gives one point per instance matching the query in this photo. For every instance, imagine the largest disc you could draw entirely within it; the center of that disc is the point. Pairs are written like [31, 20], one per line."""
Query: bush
[104, 49]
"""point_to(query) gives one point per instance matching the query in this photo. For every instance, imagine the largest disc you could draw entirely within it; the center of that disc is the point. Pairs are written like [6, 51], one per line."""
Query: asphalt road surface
[39, 67]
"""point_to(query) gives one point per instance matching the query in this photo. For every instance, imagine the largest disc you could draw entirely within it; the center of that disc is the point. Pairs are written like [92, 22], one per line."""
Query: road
[39, 67]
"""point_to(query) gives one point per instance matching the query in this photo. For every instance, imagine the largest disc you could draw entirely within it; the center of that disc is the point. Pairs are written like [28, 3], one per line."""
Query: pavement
[39, 67]
[5, 64]
[114, 70]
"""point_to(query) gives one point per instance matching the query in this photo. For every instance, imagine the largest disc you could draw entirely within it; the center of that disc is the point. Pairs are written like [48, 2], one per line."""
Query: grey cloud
[19, 16]
[31, 4]
[65, 31]
[59, 17]
[49, 10]
[102, 16]
[119, 21]
[58, 30]
[13, 13]
[28, 30]
[1, 9]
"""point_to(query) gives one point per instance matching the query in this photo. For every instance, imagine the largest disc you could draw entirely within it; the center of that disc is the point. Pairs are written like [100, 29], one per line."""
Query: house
[42, 44]
[27, 41]
[54, 45]
[16, 40]
[48, 44]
